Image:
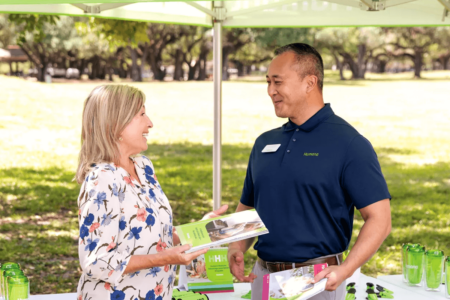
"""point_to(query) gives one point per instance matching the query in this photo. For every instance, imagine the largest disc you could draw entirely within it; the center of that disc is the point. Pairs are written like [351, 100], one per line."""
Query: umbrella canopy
[250, 13]
[245, 13]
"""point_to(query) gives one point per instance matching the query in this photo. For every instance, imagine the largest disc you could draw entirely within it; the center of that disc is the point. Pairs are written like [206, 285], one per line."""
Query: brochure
[295, 284]
[209, 273]
[221, 230]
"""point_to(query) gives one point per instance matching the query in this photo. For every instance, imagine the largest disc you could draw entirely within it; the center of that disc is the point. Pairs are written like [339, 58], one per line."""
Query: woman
[126, 244]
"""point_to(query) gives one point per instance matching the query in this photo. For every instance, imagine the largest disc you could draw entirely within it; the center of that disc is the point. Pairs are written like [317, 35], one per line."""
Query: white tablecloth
[394, 283]
[397, 281]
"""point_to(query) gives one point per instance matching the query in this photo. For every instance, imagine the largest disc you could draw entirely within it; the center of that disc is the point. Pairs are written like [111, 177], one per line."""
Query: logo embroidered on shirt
[310, 154]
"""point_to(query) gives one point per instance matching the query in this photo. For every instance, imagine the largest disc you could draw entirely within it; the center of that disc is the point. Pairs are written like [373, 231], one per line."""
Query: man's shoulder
[269, 134]
[340, 126]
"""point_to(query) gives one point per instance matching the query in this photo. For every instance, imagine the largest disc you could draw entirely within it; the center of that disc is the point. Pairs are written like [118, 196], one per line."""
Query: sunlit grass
[406, 120]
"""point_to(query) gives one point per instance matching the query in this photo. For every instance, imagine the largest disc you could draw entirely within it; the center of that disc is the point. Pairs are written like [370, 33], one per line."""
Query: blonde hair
[107, 111]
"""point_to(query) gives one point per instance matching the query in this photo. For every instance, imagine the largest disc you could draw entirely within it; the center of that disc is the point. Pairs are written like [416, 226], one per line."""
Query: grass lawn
[406, 120]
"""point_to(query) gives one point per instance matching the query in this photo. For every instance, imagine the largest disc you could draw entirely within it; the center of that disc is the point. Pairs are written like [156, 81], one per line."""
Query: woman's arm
[171, 256]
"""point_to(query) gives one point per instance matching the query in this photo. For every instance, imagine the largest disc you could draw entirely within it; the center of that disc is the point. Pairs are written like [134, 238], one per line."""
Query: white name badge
[271, 148]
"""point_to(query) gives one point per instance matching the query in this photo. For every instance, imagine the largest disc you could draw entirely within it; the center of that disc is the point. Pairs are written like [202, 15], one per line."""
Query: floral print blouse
[118, 218]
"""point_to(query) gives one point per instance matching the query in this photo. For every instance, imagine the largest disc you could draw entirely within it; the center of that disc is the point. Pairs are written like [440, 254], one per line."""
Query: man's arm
[236, 252]
[377, 226]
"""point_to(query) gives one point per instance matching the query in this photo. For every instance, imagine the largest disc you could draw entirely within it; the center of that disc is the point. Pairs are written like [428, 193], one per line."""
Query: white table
[397, 281]
[393, 283]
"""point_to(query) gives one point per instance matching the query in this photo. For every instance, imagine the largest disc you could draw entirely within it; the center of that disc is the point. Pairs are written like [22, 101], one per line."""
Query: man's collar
[320, 116]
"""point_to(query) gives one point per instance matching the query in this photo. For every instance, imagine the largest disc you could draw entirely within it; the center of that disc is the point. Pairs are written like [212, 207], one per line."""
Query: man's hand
[335, 274]
[236, 262]
[216, 213]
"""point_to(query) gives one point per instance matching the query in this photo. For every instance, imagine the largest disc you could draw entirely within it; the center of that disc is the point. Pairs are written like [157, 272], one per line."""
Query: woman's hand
[216, 213]
[177, 256]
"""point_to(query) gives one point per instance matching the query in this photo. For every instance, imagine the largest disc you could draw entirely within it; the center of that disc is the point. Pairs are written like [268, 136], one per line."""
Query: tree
[233, 40]
[7, 35]
[412, 43]
[442, 51]
[33, 41]
[352, 47]
[127, 34]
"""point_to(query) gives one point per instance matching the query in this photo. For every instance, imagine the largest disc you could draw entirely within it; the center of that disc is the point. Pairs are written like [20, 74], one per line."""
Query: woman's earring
[120, 138]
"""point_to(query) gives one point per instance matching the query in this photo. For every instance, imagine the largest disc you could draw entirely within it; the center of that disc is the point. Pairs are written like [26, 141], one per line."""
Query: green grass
[406, 121]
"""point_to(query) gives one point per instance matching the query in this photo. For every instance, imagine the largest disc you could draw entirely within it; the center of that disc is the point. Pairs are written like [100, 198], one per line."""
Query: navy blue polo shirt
[306, 191]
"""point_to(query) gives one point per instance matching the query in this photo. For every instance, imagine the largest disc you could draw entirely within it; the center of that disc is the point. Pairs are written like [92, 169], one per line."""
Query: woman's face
[134, 136]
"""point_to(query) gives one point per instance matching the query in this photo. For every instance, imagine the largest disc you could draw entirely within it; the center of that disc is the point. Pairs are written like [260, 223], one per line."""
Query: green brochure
[209, 273]
[221, 230]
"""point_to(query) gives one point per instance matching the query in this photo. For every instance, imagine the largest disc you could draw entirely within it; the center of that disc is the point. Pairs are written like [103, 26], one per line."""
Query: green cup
[18, 288]
[404, 247]
[6, 274]
[447, 277]
[434, 264]
[6, 266]
[414, 266]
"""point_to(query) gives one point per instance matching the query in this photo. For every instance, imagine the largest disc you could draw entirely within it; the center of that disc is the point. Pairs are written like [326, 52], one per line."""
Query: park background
[391, 84]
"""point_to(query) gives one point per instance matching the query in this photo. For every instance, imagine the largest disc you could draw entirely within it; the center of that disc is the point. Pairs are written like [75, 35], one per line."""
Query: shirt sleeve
[99, 210]
[247, 197]
[362, 179]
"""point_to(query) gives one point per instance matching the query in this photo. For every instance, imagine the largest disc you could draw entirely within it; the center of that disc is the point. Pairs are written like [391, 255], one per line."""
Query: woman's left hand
[216, 213]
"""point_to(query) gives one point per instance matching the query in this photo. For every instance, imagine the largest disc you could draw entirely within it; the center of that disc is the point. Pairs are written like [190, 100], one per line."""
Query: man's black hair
[308, 60]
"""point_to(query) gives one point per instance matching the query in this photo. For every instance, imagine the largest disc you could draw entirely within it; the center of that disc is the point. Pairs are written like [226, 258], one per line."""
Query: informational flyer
[294, 284]
[221, 230]
[209, 273]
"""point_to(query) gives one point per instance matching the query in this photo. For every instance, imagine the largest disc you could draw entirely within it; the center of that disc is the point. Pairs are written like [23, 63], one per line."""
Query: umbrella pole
[217, 144]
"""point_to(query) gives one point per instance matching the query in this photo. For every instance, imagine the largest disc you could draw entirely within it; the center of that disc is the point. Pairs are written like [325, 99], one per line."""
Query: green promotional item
[8, 273]
[383, 289]
[18, 288]
[210, 272]
[247, 296]
[447, 277]
[370, 286]
[351, 285]
[6, 266]
[371, 295]
[351, 294]
[404, 263]
[385, 295]
[414, 267]
[434, 263]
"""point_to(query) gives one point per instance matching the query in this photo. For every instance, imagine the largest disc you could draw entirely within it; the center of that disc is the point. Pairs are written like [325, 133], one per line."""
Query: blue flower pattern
[108, 208]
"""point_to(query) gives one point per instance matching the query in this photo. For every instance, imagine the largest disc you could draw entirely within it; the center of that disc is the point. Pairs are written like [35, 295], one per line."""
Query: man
[305, 178]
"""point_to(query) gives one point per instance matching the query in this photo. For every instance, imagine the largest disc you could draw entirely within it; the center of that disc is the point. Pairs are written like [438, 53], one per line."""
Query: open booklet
[221, 230]
[208, 273]
[295, 284]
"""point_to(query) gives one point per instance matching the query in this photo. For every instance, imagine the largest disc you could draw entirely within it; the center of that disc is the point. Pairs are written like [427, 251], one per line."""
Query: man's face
[284, 85]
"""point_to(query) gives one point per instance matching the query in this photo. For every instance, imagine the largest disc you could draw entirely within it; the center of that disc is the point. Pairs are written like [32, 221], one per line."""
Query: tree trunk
[382, 66]
[361, 67]
[339, 65]
[144, 58]
[158, 73]
[240, 68]
[226, 52]
[192, 71]
[202, 67]
[10, 69]
[418, 63]
[247, 70]
[178, 72]
[135, 72]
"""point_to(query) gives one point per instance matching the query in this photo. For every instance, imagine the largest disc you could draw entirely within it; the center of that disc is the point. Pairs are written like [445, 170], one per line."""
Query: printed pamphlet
[295, 284]
[209, 273]
[221, 230]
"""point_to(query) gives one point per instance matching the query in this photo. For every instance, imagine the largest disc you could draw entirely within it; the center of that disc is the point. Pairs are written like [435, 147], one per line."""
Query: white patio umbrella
[245, 13]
